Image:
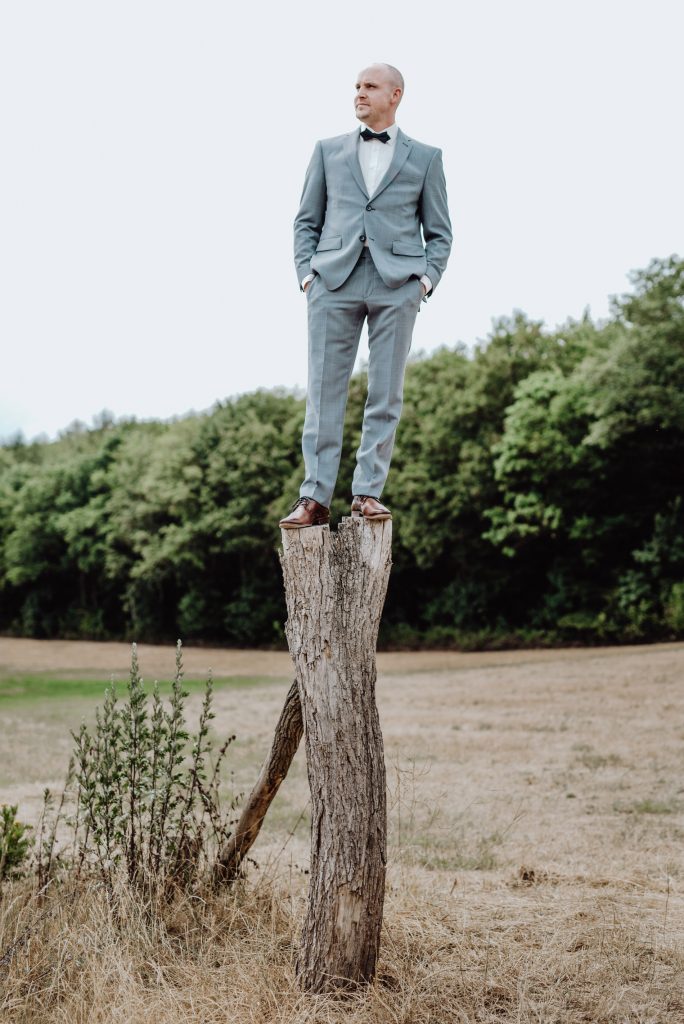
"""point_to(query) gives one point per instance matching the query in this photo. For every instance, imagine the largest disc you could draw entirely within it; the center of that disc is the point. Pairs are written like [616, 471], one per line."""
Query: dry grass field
[536, 859]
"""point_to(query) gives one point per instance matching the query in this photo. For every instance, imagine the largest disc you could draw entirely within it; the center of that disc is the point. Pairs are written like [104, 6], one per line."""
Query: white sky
[153, 155]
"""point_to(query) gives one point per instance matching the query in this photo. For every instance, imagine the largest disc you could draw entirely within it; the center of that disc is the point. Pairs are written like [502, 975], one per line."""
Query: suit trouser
[335, 322]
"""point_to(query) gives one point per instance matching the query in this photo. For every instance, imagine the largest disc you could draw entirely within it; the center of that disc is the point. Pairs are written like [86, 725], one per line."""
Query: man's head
[379, 89]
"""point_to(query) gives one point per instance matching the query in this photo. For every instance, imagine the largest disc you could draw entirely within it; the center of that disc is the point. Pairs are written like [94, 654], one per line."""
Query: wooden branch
[335, 585]
[286, 739]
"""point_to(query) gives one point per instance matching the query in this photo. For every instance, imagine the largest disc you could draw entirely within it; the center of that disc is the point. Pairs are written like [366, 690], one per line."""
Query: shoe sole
[372, 519]
[301, 526]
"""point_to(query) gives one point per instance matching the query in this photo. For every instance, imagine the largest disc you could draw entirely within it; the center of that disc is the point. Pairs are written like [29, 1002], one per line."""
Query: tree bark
[335, 586]
[286, 739]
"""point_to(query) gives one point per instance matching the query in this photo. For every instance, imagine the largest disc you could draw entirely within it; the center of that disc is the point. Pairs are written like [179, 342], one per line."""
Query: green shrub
[15, 841]
[142, 793]
[674, 608]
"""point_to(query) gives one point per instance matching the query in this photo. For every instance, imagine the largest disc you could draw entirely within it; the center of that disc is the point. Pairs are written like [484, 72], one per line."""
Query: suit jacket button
[370, 207]
[362, 238]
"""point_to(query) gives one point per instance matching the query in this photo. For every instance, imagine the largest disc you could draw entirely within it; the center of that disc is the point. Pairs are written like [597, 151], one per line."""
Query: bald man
[371, 240]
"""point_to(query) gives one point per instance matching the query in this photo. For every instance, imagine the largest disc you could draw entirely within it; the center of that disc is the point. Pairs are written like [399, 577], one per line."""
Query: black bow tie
[367, 135]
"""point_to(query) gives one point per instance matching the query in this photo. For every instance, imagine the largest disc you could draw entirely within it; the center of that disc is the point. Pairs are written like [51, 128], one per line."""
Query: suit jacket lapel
[402, 148]
[351, 153]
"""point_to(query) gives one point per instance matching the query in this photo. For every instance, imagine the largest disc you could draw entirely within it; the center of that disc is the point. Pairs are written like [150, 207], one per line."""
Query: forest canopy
[537, 487]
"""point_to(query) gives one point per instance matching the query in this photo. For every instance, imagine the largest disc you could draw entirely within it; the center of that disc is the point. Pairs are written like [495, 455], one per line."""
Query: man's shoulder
[422, 147]
[333, 141]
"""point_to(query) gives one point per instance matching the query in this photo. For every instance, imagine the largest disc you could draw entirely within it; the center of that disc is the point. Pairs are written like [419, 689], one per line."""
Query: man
[359, 255]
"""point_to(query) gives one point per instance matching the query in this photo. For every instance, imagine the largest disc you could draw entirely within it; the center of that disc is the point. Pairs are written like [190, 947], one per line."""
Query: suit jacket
[336, 214]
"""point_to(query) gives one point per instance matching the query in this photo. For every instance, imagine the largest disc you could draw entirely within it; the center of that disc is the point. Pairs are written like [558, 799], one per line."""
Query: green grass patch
[593, 761]
[22, 688]
[478, 856]
[647, 806]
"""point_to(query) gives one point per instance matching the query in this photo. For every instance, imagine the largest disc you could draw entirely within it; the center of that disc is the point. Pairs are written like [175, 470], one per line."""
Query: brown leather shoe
[305, 512]
[370, 508]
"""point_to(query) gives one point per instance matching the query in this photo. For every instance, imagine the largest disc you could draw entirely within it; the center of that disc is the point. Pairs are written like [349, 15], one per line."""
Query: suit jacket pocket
[408, 249]
[331, 242]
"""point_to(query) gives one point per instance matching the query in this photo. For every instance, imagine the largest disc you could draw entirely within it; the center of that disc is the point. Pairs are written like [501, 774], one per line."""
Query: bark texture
[286, 739]
[335, 585]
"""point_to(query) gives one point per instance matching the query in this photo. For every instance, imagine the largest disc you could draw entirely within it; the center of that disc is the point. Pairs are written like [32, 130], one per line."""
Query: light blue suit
[379, 281]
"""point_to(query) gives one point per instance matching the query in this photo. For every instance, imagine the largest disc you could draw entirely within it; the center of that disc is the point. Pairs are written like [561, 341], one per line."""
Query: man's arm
[434, 216]
[308, 223]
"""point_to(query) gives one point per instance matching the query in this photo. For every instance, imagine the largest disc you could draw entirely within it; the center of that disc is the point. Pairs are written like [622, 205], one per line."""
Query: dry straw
[585, 932]
[522, 952]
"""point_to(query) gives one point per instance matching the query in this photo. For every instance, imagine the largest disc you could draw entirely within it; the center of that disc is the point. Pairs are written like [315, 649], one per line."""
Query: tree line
[537, 487]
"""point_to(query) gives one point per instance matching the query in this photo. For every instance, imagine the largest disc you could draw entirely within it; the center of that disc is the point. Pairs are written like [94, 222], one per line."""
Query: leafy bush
[674, 608]
[15, 841]
[142, 793]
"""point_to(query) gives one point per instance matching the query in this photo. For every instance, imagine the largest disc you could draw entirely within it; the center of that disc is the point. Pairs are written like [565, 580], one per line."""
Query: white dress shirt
[375, 158]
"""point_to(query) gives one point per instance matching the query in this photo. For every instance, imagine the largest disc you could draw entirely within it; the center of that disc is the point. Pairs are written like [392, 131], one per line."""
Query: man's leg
[391, 318]
[335, 321]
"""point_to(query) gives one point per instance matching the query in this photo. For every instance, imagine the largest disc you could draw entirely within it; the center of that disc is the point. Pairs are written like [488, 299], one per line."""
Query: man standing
[359, 254]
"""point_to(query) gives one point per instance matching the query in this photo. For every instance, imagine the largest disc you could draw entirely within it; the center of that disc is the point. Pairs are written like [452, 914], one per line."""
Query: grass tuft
[218, 956]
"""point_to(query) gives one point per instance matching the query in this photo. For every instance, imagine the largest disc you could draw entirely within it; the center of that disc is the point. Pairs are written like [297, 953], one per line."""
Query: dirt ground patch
[81, 658]
[569, 762]
[528, 792]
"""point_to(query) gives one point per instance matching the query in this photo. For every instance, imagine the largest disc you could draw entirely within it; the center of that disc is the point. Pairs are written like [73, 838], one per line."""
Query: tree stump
[335, 586]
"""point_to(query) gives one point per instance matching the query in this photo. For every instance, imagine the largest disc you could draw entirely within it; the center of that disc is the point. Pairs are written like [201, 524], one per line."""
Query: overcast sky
[153, 155]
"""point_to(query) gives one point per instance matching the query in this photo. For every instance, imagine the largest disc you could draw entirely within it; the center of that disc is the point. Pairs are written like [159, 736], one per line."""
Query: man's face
[376, 98]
